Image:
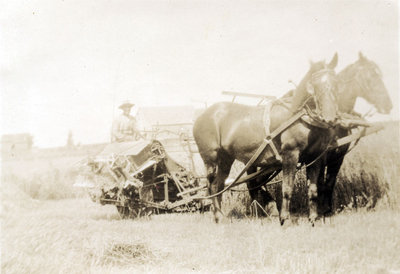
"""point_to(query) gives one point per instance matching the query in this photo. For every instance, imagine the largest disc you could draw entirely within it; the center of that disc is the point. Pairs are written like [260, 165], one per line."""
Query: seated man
[124, 128]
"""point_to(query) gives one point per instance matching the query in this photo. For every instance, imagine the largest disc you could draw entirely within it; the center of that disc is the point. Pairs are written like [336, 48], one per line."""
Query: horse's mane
[347, 72]
[348, 89]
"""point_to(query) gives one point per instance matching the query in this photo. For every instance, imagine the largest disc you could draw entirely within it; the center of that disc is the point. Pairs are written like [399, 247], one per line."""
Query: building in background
[16, 143]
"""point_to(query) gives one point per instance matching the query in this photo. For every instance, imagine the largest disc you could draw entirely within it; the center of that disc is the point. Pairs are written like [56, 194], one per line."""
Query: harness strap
[266, 117]
[313, 119]
[267, 124]
[260, 150]
[273, 147]
[310, 118]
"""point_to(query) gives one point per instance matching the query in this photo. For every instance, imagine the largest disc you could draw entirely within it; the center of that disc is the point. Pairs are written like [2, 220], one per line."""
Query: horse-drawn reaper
[302, 127]
[156, 175]
[294, 129]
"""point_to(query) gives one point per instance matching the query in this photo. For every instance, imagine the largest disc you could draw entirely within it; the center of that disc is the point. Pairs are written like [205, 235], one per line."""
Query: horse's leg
[257, 193]
[314, 173]
[252, 185]
[290, 159]
[334, 162]
[271, 205]
[321, 188]
[217, 184]
[255, 190]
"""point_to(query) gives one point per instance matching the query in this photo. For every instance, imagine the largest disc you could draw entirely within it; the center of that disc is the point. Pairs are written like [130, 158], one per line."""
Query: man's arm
[116, 135]
[137, 131]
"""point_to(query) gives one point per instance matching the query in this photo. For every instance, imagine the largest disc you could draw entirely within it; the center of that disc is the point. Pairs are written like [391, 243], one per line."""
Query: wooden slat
[254, 95]
[357, 135]
[191, 190]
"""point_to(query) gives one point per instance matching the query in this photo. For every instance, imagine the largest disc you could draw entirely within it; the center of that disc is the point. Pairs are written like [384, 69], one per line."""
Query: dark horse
[361, 79]
[226, 132]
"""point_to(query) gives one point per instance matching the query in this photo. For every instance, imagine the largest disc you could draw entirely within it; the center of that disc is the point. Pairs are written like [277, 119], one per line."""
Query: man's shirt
[124, 128]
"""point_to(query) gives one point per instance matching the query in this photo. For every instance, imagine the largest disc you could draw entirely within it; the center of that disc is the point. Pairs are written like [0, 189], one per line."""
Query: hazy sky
[66, 65]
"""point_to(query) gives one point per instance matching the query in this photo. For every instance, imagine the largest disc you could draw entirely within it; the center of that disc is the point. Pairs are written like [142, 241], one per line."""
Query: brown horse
[228, 131]
[361, 79]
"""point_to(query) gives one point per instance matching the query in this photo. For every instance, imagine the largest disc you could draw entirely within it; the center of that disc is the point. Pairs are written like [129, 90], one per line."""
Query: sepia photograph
[199, 136]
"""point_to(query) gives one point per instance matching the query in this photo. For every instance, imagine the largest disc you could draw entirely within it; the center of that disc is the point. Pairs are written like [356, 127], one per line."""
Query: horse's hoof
[285, 223]
[272, 210]
[313, 219]
[284, 218]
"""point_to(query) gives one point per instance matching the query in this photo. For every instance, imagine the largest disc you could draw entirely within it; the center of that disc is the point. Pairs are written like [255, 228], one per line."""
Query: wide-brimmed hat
[126, 104]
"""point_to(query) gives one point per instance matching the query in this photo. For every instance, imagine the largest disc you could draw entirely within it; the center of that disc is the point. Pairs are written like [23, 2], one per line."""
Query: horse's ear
[334, 61]
[361, 56]
[311, 62]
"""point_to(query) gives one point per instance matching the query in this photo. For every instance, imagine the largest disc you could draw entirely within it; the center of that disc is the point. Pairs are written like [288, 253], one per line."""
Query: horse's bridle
[327, 89]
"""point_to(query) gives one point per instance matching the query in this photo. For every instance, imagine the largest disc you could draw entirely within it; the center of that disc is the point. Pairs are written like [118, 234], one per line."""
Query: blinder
[326, 90]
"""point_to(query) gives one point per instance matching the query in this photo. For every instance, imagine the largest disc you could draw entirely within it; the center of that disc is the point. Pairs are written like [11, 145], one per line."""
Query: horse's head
[371, 86]
[320, 85]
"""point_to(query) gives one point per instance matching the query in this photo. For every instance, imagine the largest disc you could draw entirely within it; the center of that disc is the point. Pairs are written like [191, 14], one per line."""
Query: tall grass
[42, 179]
[49, 185]
[370, 173]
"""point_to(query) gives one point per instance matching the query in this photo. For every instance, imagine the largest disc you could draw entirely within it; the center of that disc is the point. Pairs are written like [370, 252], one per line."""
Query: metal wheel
[123, 211]
[132, 213]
